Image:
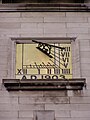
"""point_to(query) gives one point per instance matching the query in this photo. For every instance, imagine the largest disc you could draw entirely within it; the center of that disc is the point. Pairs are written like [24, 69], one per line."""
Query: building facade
[54, 23]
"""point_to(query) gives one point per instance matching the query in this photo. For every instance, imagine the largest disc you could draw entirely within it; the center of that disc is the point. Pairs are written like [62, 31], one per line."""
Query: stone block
[62, 114]
[83, 37]
[80, 107]
[88, 82]
[39, 14]
[25, 114]
[3, 48]
[4, 41]
[80, 100]
[10, 114]
[78, 25]
[3, 55]
[24, 119]
[80, 114]
[28, 100]
[68, 107]
[9, 15]
[51, 25]
[85, 66]
[77, 14]
[4, 93]
[8, 107]
[75, 93]
[52, 19]
[65, 30]
[3, 67]
[44, 115]
[30, 34]
[3, 73]
[22, 20]
[77, 30]
[72, 19]
[10, 100]
[57, 107]
[27, 94]
[9, 19]
[10, 32]
[58, 118]
[52, 30]
[31, 107]
[73, 35]
[31, 31]
[16, 118]
[85, 48]
[55, 93]
[89, 19]
[3, 59]
[31, 19]
[11, 25]
[85, 60]
[28, 25]
[59, 19]
[54, 35]
[85, 73]
[84, 42]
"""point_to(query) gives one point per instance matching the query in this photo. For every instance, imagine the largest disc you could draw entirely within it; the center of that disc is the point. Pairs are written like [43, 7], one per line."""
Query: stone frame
[76, 69]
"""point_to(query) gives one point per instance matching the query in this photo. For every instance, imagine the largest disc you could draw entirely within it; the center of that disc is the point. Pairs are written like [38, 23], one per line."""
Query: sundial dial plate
[39, 60]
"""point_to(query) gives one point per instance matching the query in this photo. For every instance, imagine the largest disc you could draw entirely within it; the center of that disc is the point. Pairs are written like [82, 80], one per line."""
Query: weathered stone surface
[80, 100]
[9, 15]
[67, 105]
[6, 25]
[25, 114]
[39, 14]
[58, 118]
[80, 114]
[55, 93]
[77, 14]
[29, 100]
[62, 114]
[9, 100]
[65, 19]
[44, 115]
[31, 107]
[8, 114]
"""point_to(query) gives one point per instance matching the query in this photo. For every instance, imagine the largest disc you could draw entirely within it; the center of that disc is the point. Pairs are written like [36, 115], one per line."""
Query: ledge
[45, 7]
[60, 84]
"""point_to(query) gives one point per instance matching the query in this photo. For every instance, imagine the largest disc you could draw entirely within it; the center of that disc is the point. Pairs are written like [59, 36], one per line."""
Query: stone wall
[67, 105]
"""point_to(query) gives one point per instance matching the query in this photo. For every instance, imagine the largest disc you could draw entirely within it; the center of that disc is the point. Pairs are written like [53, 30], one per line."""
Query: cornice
[45, 7]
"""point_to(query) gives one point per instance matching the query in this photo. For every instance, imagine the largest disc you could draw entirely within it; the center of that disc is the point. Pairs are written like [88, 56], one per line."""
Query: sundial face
[40, 61]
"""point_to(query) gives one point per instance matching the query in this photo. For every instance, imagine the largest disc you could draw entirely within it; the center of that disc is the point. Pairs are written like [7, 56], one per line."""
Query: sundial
[44, 66]
[43, 60]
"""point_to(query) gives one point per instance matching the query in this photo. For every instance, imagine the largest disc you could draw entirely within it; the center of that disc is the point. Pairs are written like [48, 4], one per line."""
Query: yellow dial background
[28, 55]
